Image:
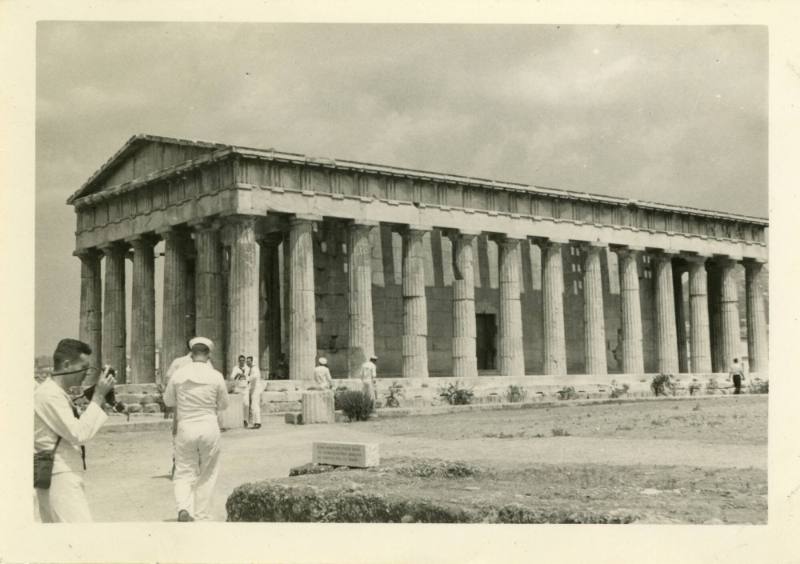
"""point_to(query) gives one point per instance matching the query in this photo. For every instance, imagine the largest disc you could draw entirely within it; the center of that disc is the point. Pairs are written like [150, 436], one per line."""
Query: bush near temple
[661, 384]
[357, 406]
[455, 394]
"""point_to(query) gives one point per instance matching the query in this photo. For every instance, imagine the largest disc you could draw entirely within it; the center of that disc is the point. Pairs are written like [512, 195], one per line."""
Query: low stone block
[133, 407]
[151, 408]
[357, 455]
[293, 418]
[317, 407]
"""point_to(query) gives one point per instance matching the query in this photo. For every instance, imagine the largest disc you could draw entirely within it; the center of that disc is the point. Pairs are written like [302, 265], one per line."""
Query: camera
[111, 398]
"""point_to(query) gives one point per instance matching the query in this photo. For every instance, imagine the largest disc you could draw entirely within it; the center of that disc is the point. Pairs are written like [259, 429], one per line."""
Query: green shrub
[454, 394]
[567, 393]
[395, 394]
[357, 406]
[758, 386]
[516, 394]
[661, 384]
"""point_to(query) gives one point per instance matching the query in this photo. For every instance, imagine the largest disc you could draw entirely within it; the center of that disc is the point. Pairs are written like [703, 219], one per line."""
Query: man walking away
[256, 387]
[58, 428]
[199, 393]
[368, 374]
[738, 375]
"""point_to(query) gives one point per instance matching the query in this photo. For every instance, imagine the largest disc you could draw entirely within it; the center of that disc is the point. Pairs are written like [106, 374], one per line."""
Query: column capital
[113, 246]
[548, 243]
[629, 250]
[87, 253]
[363, 223]
[694, 258]
[272, 238]
[142, 240]
[663, 255]
[212, 223]
[238, 219]
[753, 264]
[726, 260]
[462, 234]
[304, 218]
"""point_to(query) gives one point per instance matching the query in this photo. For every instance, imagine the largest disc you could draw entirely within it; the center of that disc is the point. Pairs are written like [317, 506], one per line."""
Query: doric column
[757, 343]
[698, 306]
[302, 316]
[91, 321]
[465, 357]
[593, 313]
[243, 287]
[415, 309]
[632, 354]
[361, 342]
[114, 329]
[729, 312]
[271, 300]
[715, 316]
[555, 350]
[511, 354]
[666, 335]
[680, 316]
[209, 290]
[173, 304]
[143, 311]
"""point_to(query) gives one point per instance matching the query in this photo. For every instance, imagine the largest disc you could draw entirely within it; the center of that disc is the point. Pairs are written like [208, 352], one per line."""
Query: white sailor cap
[323, 361]
[202, 341]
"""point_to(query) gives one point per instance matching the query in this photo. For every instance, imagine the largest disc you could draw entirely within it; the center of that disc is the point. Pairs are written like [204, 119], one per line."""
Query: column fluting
[680, 316]
[729, 312]
[302, 312]
[173, 308]
[757, 342]
[270, 278]
[90, 329]
[143, 312]
[593, 312]
[666, 333]
[511, 354]
[465, 358]
[209, 291]
[698, 305]
[555, 353]
[361, 342]
[243, 305]
[415, 309]
[632, 353]
[114, 328]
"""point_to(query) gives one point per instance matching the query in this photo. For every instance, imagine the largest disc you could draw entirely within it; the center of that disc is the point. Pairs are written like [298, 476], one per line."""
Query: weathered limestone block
[233, 416]
[151, 408]
[357, 455]
[317, 407]
[293, 418]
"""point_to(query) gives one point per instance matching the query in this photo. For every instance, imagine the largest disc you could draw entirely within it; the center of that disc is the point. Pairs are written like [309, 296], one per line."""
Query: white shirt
[241, 381]
[199, 392]
[322, 377]
[53, 417]
[368, 371]
[180, 362]
[254, 377]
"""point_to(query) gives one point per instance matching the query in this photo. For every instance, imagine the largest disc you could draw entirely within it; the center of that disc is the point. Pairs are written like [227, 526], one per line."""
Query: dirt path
[128, 478]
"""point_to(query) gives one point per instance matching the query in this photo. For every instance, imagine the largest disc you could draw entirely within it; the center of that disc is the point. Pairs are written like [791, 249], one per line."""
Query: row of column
[254, 319]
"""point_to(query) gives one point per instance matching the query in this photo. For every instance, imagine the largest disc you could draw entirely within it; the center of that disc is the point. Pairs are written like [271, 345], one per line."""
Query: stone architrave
[729, 313]
[680, 316]
[174, 307]
[511, 355]
[91, 320]
[666, 333]
[415, 310]
[143, 311]
[632, 352]
[757, 343]
[209, 290]
[114, 328]
[361, 343]
[593, 312]
[243, 287]
[271, 310]
[698, 306]
[302, 316]
[465, 358]
[555, 349]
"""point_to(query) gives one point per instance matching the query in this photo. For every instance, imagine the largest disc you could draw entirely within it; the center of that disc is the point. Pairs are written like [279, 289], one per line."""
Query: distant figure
[59, 430]
[241, 385]
[256, 387]
[281, 372]
[322, 376]
[737, 373]
[369, 371]
[198, 393]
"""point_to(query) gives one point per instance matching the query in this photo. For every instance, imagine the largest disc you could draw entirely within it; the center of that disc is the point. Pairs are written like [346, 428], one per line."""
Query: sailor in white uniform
[199, 393]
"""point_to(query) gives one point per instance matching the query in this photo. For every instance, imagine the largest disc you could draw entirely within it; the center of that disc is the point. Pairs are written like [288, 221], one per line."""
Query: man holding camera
[58, 428]
[198, 392]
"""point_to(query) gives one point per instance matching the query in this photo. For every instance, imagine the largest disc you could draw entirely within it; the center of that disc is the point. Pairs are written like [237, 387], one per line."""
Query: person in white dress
[198, 393]
[57, 427]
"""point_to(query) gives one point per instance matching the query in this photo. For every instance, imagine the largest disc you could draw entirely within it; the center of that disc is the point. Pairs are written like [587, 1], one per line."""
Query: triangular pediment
[141, 156]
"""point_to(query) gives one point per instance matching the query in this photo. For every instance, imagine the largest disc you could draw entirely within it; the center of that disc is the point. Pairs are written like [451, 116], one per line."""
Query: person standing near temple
[241, 385]
[58, 428]
[198, 393]
[369, 372]
[256, 387]
[322, 376]
[737, 374]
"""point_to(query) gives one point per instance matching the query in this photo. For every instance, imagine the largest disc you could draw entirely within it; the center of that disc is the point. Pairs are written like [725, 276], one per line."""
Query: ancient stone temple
[287, 258]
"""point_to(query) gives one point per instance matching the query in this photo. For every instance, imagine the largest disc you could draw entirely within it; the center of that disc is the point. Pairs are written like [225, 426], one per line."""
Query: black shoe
[184, 517]
[245, 424]
[256, 426]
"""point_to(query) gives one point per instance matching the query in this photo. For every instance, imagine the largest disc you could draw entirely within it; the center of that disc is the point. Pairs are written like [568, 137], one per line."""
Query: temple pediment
[140, 156]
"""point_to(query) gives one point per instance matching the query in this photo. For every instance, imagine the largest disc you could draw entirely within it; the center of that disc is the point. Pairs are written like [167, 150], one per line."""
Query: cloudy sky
[671, 114]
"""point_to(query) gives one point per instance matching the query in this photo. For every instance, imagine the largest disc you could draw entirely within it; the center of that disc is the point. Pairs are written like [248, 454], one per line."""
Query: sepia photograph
[320, 272]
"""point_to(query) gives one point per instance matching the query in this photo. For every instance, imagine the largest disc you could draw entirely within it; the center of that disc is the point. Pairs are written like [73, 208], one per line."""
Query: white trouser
[65, 501]
[196, 466]
[255, 407]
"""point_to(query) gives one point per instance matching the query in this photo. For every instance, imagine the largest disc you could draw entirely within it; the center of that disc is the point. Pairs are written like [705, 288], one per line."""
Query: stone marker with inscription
[358, 455]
